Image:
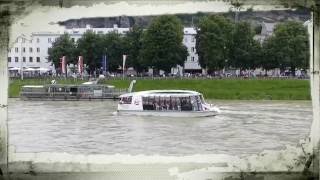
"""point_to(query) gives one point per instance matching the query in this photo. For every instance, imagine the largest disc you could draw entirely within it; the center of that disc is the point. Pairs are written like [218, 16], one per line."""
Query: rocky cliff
[188, 19]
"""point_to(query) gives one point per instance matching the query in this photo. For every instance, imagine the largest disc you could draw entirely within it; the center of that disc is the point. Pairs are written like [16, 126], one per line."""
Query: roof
[32, 86]
[162, 92]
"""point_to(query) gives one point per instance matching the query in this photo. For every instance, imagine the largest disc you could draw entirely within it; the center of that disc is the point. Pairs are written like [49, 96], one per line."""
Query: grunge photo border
[42, 166]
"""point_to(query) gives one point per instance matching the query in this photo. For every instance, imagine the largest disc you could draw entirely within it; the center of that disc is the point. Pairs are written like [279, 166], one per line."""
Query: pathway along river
[243, 127]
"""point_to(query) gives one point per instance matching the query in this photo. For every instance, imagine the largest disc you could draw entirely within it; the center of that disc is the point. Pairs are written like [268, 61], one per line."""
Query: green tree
[113, 44]
[90, 46]
[63, 46]
[269, 60]
[162, 44]
[214, 36]
[133, 43]
[244, 50]
[289, 45]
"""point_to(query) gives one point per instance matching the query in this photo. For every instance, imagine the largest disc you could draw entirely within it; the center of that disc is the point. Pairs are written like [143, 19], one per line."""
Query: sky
[45, 18]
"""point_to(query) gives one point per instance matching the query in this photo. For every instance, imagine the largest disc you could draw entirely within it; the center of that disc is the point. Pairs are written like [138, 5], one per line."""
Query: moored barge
[70, 92]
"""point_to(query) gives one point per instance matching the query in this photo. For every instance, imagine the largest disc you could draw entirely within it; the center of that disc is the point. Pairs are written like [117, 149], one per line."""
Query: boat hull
[168, 113]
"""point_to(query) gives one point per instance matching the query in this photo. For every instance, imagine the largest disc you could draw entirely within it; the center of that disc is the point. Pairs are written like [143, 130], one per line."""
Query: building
[191, 64]
[32, 52]
[266, 31]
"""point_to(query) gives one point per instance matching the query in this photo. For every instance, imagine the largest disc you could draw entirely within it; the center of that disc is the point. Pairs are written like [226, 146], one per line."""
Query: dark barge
[70, 92]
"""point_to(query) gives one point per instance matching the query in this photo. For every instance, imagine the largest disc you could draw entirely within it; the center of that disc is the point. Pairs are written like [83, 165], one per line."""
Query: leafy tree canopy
[214, 36]
[289, 46]
[133, 43]
[162, 44]
[114, 46]
[90, 46]
[244, 50]
[63, 46]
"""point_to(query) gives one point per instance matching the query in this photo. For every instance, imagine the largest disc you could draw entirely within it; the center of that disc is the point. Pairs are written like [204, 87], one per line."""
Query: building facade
[191, 64]
[266, 31]
[32, 52]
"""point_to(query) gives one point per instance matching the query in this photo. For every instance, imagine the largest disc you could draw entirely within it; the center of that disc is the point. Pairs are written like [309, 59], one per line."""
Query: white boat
[173, 103]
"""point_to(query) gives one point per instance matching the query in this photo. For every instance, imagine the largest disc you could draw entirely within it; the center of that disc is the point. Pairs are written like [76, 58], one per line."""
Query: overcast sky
[40, 18]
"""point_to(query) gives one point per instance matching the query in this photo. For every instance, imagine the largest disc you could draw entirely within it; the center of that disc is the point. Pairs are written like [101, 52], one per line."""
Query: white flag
[124, 61]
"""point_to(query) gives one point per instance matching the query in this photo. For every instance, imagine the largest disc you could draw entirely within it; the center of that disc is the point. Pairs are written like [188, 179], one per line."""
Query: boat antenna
[131, 86]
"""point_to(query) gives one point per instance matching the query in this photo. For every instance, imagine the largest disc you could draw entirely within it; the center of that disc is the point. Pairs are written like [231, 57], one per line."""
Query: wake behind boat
[174, 103]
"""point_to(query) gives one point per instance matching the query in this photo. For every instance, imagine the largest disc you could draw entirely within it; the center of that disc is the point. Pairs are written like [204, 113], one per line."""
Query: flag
[104, 63]
[124, 62]
[63, 65]
[80, 65]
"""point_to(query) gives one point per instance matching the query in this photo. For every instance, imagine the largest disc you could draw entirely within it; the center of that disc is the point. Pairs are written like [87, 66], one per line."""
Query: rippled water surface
[243, 127]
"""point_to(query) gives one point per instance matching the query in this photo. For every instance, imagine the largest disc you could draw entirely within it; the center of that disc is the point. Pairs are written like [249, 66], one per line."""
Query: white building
[191, 64]
[266, 31]
[189, 40]
[32, 52]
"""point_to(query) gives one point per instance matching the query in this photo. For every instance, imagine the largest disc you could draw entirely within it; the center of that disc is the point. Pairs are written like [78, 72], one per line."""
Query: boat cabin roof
[33, 86]
[166, 93]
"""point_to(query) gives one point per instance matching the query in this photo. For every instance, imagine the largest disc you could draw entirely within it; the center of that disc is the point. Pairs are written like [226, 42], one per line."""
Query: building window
[16, 49]
[192, 59]
[23, 59]
[38, 49]
[49, 40]
[192, 49]
[38, 59]
[72, 39]
[9, 50]
[38, 40]
[16, 59]
[23, 40]
[24, 49]
[9, 59]
[30, 59]
[30, 50]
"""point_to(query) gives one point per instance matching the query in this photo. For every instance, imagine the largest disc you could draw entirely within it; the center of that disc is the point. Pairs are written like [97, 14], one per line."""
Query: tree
[289, 46]
[63, 46]
[90, 46]
[269, 59]
[133, 43]
[162, 44]
[213, 42]
[244, 49]
[113, 44]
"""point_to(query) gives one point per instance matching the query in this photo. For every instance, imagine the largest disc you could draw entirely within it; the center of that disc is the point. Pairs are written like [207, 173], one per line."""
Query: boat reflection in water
[174, 103]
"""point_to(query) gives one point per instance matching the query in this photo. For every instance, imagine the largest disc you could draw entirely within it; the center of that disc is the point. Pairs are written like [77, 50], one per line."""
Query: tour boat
[174, 103]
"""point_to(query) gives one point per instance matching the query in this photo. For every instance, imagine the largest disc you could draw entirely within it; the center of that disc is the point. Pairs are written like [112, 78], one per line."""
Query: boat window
[196, 103]
[148, 103]
[126, 100]
[199, 102]
[172, 103]
[186, 104]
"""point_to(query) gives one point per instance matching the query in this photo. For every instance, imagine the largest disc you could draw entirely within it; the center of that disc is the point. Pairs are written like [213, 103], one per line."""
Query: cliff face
[187, 19]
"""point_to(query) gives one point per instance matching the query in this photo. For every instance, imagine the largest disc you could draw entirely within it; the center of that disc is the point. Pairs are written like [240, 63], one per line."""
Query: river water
[243, 127]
